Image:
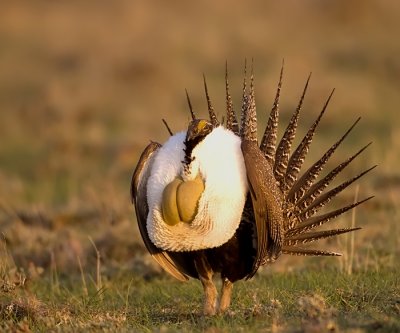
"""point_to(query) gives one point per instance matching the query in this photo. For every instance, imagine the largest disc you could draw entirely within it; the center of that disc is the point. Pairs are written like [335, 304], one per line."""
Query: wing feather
[266, 198]
[138, 196]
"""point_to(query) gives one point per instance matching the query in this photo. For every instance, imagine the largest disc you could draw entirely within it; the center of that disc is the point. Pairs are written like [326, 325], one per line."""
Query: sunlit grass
[316, 299]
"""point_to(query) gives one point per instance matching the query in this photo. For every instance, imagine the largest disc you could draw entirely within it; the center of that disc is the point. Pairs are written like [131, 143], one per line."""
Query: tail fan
[323, 199]
[301, 195]
[298, 157]
[283, 149]
[308, 237]
[319, 187]
[306, 180]
[317, 221]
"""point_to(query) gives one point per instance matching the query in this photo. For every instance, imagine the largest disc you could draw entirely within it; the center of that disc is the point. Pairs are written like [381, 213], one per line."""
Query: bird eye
[201, 125]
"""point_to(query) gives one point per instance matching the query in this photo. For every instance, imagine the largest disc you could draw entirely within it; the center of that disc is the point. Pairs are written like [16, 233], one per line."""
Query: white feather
[220, 162]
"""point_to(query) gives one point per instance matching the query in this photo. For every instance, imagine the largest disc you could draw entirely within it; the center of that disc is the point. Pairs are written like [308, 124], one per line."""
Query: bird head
[198, 129]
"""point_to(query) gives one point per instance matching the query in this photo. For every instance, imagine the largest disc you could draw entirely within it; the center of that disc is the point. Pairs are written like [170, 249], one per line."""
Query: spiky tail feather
[231, 121]
[298, 157]
[296, 251]
[284, 146]
[316, 189]
[302, 198]
[300, 187]
[268, 142]
[317, 221]
[213, 116]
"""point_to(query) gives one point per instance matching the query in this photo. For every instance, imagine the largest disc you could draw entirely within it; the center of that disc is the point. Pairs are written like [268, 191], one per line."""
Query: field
[83, 88]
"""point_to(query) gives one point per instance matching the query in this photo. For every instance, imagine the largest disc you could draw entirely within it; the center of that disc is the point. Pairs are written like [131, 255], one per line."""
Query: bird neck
[189, 163]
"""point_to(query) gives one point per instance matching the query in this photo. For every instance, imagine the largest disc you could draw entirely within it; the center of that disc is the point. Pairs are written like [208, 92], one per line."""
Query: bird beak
[198, 127]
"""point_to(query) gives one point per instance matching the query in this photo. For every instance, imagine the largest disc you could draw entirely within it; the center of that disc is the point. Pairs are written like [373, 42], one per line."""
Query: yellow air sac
[168, 206]
[187, 198]
[180, 200]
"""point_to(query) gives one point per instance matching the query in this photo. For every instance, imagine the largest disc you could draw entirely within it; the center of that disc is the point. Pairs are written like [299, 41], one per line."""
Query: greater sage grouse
[211, 199]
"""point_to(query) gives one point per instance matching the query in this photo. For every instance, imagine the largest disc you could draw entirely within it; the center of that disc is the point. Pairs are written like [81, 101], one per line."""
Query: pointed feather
[316, 221]
[306, 180]
[190, 106]
[268, 142]
[250, 124]
[245, 102]
[168, 128]
[298, 157]
[266, 205]
[307, 252]
[328, 196]
[309, 237]
[231, 121]
[317, 188]
[213, 117]
[283, 150]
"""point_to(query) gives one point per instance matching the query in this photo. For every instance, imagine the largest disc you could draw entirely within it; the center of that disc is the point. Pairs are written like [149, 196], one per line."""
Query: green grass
[321, 299]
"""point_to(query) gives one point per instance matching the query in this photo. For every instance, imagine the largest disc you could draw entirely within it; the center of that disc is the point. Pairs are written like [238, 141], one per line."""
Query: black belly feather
[234, 259]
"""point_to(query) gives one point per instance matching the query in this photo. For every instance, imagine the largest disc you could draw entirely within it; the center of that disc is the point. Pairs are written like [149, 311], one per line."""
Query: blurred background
[84, 85]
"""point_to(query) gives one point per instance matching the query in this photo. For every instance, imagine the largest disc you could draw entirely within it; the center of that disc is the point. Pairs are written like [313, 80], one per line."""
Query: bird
[212, 200]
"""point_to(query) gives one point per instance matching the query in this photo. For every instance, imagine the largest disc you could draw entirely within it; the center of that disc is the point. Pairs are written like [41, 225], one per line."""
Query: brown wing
[267, 204]
[139, 199]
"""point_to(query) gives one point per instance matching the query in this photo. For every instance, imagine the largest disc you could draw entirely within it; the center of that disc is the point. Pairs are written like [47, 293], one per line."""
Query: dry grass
[83, 88]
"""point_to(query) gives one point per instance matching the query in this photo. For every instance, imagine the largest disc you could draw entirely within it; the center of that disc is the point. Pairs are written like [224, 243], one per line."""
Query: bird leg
[210, 291]
[226, 292]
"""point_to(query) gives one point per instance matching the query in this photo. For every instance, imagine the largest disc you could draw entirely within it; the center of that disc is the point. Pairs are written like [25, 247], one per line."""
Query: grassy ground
[83, 87]
[303, 301]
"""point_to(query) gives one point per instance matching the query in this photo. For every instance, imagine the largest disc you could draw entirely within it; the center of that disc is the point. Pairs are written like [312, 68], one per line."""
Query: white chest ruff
[220, 162]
